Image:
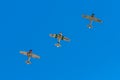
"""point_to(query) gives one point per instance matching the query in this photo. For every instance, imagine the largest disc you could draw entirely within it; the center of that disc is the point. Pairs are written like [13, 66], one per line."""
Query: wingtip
[82, 15]
[50, 35]
[39, 57]
[20, 52]
[69, 40]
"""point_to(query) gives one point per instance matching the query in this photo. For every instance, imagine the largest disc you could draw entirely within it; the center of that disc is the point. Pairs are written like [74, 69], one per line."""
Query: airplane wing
[86, 16]
[97, 20]
[35, 56]
[23, 52]
[53, 35]
[66, 39]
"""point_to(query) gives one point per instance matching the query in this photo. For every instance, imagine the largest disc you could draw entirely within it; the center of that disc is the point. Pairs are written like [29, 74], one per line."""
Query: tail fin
[89, 26]
[27, 62]
[58, 45]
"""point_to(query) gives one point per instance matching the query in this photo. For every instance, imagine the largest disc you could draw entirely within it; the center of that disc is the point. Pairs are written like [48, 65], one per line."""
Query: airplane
[59, 38]
[91, 18]
[30, 55]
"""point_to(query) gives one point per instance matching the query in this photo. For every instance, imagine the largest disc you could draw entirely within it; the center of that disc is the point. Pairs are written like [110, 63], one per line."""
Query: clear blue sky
[91, 54]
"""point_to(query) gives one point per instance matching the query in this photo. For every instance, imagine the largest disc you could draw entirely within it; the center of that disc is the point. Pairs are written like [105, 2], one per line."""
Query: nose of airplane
[30, 50]
[60, 33]
[93, 14]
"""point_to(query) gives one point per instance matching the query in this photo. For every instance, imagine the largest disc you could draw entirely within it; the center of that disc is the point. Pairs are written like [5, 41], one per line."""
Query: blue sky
[91, 54]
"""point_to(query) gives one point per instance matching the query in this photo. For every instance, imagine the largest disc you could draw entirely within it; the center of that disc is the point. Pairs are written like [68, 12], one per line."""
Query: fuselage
[91, 17]
[29, 54]
[59, 37]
